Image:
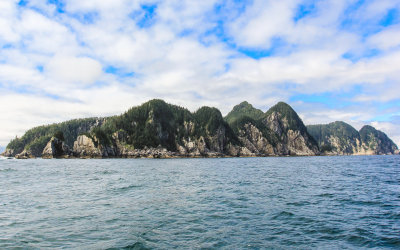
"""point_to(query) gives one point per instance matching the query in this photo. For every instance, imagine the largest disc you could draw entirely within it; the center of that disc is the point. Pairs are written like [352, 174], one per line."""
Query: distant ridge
[157, 129]
[340, 138]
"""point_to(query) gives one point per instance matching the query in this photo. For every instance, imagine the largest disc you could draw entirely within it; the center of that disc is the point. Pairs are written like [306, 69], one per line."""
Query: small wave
[299, 203]
[106, 172]
[126, 188]
[358, 240]
[6, 158]
[283, 215]
[134, 246]
[329, 195]
[8, 170]
[360, 202]
[390, 241]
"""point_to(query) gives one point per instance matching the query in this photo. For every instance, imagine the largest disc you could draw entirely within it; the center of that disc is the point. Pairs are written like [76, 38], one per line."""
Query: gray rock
[56, 148]
[26, 154]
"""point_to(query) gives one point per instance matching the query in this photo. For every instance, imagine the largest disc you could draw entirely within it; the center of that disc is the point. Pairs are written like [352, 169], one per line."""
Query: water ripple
[233, 203]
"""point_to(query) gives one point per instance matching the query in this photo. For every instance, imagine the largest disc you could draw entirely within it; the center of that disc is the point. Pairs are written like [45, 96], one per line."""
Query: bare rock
[56, 148]
[26, 154]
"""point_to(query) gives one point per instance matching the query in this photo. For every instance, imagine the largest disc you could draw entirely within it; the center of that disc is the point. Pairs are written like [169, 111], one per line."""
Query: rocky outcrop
[8, 153]
[56, 148]
[89, 147]
[26, 154]
[254, 142]
[290, 131]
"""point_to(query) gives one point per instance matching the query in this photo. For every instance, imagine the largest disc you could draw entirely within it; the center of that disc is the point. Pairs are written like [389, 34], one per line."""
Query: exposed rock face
[8, 153]
[290, 130]
[279, 131]
[339, 138]
[86, 147]
[36, 139]
[56, 148]
[376, 142]
[254, 143]
[336, 138]
[26, 154]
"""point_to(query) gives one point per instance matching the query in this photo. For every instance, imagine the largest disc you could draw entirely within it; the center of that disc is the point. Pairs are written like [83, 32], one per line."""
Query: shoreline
[190, 157]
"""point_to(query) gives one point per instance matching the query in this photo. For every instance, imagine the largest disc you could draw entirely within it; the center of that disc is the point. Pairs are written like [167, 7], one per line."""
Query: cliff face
[290, 130]
[279, 131]
[340, 138]
[159, 130]
[56, 148]
[376, 142]
[36, 139]
[336, 138]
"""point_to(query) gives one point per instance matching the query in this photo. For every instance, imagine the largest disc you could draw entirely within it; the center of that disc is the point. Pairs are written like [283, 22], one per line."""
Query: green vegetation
[293, 120]
[59, 135]
[287, 112]
[157, 123]
[243, 109]
[345, 136]
[377, 140]
[36, 138]
[346, 139]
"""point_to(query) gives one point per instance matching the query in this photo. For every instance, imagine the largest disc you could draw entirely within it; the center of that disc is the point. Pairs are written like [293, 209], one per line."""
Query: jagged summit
[243, 109]
[288, 113]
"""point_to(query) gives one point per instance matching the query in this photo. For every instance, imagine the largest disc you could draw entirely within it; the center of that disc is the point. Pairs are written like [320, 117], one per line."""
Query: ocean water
[229, 203]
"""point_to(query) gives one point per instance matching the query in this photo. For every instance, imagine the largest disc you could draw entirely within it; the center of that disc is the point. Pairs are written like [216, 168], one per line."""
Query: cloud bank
[331, 60]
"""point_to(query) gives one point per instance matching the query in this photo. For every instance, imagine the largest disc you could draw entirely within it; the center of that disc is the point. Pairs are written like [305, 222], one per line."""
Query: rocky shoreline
[160, 130]
[85, 148]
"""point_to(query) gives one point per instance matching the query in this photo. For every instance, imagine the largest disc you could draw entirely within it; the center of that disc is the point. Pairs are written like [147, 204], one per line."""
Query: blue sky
[331, 60]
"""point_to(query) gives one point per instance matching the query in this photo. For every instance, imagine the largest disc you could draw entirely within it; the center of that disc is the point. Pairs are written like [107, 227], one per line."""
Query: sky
[329, 59]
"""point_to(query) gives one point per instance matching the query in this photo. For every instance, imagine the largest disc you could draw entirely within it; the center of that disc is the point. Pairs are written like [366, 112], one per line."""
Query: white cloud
[263, 21]
[73, 70]
[390, 128]
[58, 59]
[386, 39]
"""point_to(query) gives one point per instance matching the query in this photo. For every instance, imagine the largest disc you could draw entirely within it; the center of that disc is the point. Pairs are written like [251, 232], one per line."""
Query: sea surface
[228, 203]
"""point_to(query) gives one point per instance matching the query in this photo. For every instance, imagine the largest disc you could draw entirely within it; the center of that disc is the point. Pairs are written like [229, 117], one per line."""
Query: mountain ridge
[340, 138]
[160, 130]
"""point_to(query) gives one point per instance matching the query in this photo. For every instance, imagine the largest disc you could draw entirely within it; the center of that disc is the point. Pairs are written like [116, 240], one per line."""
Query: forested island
[157, 129]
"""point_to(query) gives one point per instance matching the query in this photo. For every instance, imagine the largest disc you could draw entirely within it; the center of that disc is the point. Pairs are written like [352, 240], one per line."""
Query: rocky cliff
[376, 142]
[157, 129]
[290, 130]
[56, 148]
[279, 131]
[35, 140]
[340, 138]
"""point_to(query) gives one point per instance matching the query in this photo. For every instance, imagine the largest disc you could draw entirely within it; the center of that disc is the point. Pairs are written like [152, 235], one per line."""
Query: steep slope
[376, 142]
[290, 131]
[340, 138]
[336, 138]
[256, 138]
[158, 125]
[279, 131]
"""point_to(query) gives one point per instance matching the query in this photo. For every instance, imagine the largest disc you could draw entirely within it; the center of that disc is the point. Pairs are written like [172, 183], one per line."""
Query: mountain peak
[243, 109]
[281, 107]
